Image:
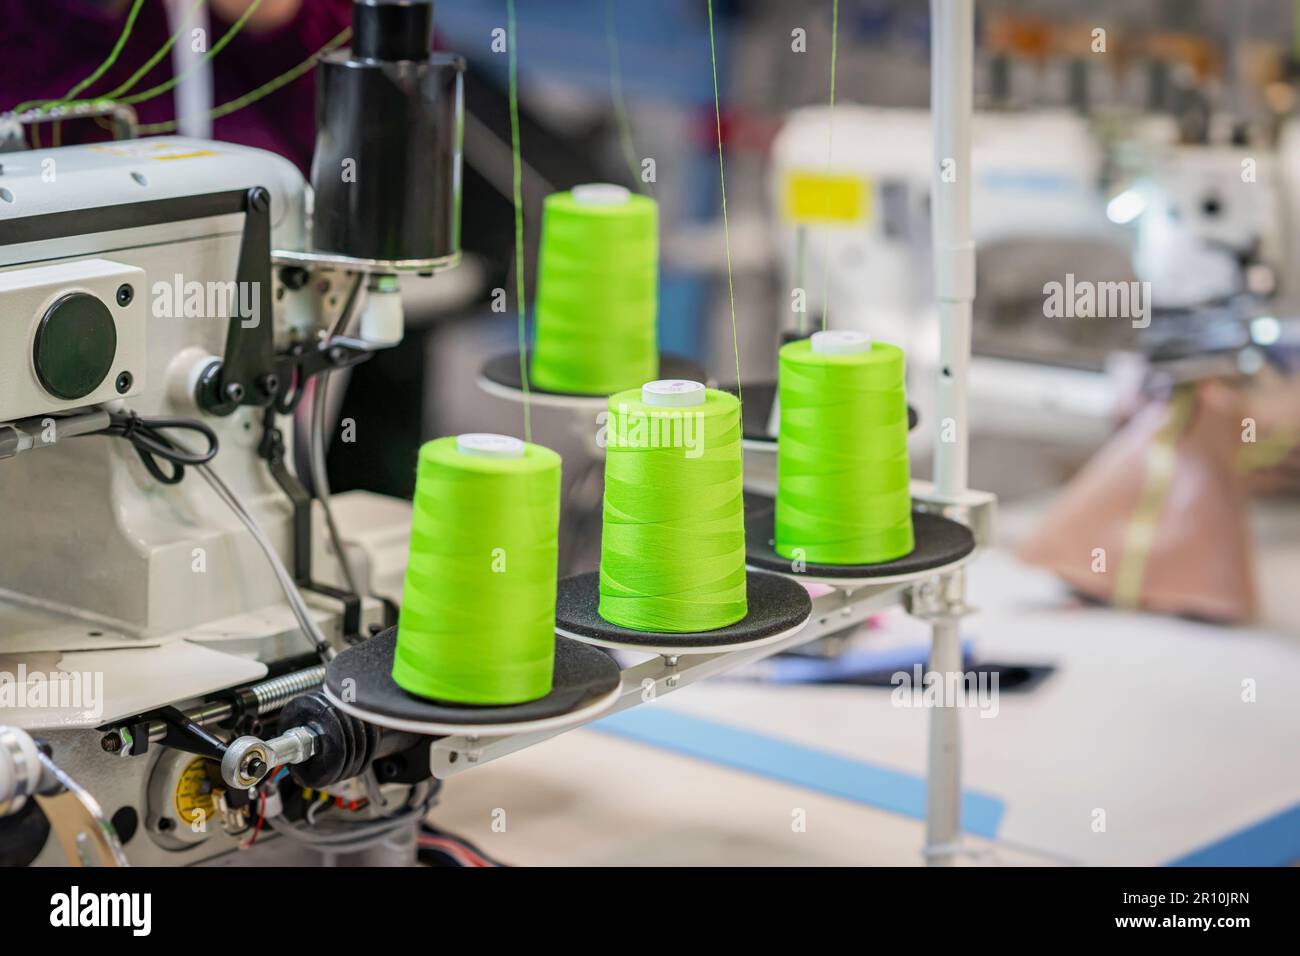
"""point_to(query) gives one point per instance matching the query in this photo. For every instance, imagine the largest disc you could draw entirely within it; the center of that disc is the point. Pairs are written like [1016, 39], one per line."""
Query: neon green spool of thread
[477, 623]
[672, 554]
[842, 469]
[597, 291]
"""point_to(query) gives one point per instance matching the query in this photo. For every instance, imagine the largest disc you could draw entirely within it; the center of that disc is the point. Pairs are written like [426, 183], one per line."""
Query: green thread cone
[477, 623]
[597, 295]
[842, 468]
[672, 554]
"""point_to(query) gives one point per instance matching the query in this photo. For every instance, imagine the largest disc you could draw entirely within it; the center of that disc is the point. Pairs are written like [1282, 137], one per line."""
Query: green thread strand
[722, 179]
[597, 296]
[266, 89]
[217, 47]
[99, 71]
[672, 553]
[830, 151]
[620, 105]
[170, 83]
[150, 63]
[842, 467]
[517, 172]
[477, 622]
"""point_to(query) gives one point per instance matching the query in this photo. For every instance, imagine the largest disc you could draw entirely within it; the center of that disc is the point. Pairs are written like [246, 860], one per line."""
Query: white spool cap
[489, 445]
[600, 194]
[672, 393]
[841, 342]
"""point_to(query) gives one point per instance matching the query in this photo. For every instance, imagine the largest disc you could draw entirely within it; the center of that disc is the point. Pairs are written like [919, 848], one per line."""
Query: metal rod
[270, 695]
[952, 55]
[952, 80]
[943, 779]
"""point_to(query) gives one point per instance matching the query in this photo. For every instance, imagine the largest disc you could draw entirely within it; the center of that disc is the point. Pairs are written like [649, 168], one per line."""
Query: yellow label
[144, 149]
[194, 155]
[193, 795]
[826, 197]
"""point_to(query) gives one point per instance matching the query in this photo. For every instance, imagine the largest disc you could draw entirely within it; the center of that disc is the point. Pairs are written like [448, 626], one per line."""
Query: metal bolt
[111, 743]
[254, 768]
[235, 392]
[269, 384]
[259, 199]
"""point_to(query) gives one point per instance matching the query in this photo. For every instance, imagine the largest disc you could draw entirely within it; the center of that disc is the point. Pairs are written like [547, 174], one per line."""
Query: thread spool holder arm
[649, 680]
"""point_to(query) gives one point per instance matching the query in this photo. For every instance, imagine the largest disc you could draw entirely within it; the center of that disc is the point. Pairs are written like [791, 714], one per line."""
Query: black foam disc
[939, 541]
[756, 410]
[504, 371]
[777, 606]
[583, 676]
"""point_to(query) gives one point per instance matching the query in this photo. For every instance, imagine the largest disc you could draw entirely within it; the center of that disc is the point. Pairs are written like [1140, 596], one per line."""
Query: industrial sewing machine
[170, 573]
[1050, 203]
[1037, 200]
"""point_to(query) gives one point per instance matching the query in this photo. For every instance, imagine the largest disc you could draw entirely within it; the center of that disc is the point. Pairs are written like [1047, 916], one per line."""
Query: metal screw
[124, 383]
[235, 392]
[259, 199]
[269, 383]
[111, 743]
[125, 294]
[254, 768]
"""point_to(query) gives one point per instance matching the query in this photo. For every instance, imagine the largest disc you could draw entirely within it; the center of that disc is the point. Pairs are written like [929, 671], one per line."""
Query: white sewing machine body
[103, 570]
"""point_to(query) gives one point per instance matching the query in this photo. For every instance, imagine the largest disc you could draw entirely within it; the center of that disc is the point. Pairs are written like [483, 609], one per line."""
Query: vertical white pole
[952, 55]
[943, 778]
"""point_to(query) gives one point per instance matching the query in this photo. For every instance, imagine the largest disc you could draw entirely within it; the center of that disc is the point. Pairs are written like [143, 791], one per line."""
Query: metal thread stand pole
[943, 779]
[952, 54]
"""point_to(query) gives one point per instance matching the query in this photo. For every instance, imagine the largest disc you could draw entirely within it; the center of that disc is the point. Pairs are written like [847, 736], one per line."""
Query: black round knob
[75, 345]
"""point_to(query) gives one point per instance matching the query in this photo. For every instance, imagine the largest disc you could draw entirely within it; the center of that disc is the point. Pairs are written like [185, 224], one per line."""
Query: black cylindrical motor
[386, 171]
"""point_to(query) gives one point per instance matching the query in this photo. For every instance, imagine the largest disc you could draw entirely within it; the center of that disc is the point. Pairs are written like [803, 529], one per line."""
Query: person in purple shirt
[50, 46]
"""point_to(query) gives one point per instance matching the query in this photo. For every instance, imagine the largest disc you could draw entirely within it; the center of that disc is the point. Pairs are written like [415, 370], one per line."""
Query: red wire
[457, 850]
[261, 817]
[454, 850]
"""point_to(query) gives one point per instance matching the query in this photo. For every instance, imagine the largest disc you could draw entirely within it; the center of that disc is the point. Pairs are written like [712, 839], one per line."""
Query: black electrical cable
[152, 445]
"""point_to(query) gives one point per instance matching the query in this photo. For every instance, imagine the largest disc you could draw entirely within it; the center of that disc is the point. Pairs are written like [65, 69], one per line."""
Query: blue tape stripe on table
[1274, 841]
[794, 763]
